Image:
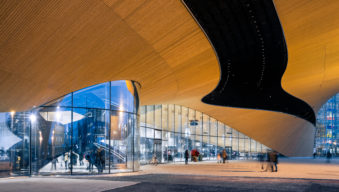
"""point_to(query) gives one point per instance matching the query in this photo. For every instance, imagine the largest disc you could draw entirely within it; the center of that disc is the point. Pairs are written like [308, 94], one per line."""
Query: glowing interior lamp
[58, 115]
[32, 117]
[12, 113]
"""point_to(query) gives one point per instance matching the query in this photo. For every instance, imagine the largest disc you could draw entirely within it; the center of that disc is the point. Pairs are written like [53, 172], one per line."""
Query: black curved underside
[251, 48]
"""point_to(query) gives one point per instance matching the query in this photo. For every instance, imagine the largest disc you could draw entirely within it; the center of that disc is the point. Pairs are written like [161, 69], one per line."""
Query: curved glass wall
[166, 131]
[93, 130]
[327, 129]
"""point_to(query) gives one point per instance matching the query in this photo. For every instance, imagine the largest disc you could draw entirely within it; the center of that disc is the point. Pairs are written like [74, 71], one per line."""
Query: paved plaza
[293, 175]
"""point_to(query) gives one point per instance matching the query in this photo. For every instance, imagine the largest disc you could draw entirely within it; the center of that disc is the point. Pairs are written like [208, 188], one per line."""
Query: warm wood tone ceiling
[50, 48]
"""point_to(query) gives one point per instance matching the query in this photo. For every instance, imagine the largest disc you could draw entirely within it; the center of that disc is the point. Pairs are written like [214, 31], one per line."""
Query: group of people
[96, 158]
[270, 159]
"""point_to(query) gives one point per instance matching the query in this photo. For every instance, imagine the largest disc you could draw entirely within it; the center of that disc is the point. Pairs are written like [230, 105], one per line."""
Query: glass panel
[51, 140]
[171, 119]
[171, 147]
[149, 133]
[122, 96]
[184, 123]
[123, 129]
[235, 147]
[178, 119]
[259, 147]
[96, 96]
[149, 143]
[206, 125]
[199, 118]
[253, 146]
[242, 136]
[164, 123]
[14, 143]
[221, 129]
[143, 150]
[158, 116]
[221, 142]
[150, 116]
[177, 149]
[214, 127]
[143, 116]
[133, 142]
[157, 134]
[142, 132]
[205, 147]
[213, 147]
[193, 122]
[247, 148]
[90, 152]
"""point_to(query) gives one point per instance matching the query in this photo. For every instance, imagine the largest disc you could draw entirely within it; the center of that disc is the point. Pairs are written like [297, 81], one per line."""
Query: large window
[93, 130]
[172, 129]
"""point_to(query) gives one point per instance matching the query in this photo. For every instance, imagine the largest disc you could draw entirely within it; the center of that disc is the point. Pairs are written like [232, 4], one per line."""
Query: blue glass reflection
[96, 96]
[122, 96]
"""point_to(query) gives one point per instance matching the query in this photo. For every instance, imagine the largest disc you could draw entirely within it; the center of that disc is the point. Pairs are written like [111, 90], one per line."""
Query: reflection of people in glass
[66, 160]
[89, 158]
[100, 159]
[54, 162]
[18, 162]
[169, 154]
[81, 159]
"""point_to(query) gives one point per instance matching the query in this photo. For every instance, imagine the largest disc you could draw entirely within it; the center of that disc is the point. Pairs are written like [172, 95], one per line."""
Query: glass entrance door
[157, 149]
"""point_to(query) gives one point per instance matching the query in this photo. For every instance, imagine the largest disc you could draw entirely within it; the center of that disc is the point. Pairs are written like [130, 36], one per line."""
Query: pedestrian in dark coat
[187, 155]
[224, 156]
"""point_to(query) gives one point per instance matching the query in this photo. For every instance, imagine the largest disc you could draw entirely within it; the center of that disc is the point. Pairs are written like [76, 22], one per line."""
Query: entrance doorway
[157, 149]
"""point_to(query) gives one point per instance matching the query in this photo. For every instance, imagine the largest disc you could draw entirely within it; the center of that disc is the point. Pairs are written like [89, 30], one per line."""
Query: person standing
[328, 156]
[224, 156]
[54, 162]
[186, 156]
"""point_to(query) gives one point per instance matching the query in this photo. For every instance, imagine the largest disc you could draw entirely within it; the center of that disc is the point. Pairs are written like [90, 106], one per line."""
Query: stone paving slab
[52, 184]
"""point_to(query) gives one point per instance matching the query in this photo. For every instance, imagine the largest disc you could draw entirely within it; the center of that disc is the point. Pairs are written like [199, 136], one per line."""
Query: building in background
[327, 129]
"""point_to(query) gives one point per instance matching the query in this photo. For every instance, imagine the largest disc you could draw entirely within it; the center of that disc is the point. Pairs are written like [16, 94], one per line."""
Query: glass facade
[327, 128]
[93, 130]
[166, 131]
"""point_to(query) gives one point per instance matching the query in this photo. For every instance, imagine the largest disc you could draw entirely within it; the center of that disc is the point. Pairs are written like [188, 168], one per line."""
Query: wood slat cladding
[50, 48]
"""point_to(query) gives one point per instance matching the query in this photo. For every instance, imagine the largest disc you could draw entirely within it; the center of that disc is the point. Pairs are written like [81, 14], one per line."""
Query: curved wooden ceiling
[50, 48]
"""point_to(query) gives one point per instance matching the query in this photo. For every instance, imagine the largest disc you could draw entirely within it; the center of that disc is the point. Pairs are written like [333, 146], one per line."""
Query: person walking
[261, 159]
[268, 161]
[274, 159]
[218, 158]
[187, 155]
[224, 156]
